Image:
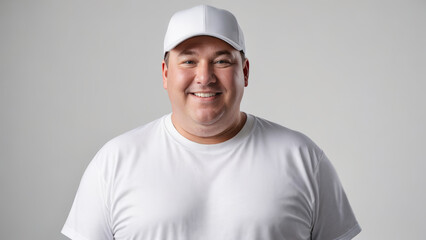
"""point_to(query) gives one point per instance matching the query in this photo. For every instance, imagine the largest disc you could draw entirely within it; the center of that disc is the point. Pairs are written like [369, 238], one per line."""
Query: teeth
[205, 95]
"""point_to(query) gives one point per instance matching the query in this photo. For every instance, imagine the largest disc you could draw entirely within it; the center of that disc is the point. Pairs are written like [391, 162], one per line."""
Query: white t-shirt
[266, 183]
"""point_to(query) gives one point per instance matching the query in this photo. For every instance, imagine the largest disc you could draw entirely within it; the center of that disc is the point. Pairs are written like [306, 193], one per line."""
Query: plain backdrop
[349, 74]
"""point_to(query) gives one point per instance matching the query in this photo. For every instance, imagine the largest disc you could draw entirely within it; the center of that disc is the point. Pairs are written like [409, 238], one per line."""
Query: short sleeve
[334, 218]
[88, 218]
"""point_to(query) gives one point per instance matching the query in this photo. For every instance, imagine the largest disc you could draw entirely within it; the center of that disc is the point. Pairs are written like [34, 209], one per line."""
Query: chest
[236, 198]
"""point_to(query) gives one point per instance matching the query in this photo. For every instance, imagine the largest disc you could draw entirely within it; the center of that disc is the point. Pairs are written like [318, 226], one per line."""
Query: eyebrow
[223, 52]
[191, 53]
[187, 52]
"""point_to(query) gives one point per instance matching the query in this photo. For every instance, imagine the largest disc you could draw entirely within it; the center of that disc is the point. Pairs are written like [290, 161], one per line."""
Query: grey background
[349, 74]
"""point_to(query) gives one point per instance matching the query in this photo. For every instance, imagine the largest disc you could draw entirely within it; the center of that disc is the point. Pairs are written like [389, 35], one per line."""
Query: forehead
[203, 43]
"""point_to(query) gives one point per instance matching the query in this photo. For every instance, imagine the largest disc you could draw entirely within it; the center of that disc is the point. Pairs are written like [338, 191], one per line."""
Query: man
[208, 171]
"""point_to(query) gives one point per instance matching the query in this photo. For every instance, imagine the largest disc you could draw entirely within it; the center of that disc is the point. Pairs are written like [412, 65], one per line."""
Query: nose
[204, 73]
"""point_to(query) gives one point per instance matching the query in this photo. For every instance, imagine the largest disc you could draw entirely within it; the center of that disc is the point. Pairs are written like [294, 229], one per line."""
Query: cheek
[178, 80]
[234, 81]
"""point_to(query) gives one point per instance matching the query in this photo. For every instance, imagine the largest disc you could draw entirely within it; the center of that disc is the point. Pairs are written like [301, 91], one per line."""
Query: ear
[246, 71]
[164, 73]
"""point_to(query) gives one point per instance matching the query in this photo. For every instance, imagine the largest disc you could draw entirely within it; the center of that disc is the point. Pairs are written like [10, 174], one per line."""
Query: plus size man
[209, 171]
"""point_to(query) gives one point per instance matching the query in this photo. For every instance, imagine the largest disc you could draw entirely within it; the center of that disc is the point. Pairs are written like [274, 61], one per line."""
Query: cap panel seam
[205, 17]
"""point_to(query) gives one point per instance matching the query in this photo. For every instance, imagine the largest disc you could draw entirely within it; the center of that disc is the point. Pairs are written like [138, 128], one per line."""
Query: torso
[246, 188]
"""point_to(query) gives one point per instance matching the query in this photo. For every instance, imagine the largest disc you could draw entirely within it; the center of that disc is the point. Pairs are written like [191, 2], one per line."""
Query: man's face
[205, 79]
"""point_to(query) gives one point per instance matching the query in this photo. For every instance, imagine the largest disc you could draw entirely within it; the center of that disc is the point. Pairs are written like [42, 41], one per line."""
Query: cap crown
[204, 20]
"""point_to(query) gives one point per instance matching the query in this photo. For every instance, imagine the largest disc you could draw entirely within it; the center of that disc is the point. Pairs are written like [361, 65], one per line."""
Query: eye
[188, 62]
[223, 62]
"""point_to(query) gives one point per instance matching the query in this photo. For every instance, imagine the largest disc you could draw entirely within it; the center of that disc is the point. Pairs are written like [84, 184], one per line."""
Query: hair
[166, 57]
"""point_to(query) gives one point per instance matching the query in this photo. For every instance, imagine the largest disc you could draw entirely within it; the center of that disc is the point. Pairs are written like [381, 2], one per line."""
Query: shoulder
[131, 141]
[275, 132]
[138, 135]
[287, 146]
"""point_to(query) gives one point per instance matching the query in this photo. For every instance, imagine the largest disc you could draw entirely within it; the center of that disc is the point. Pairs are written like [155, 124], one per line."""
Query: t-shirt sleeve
[334, 218]
[89, 218]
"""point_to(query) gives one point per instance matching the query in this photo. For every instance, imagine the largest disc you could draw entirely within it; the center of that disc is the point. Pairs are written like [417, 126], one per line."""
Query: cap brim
[179, 41]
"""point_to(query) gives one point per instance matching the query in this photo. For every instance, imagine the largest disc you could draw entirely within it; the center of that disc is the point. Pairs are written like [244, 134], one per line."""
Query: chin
[208, 119]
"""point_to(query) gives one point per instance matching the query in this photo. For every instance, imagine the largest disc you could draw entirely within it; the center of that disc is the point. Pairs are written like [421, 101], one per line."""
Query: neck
[203, 136]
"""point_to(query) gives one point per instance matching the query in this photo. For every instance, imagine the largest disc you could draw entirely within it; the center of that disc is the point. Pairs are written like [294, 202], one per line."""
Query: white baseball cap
[204, 20]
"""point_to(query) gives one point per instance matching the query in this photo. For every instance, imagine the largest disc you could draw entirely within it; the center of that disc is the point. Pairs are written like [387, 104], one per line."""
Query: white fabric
[204, 20]
[268, 183]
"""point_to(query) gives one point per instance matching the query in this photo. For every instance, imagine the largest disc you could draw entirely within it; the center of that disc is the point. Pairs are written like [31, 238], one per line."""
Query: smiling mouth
[205, 95]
